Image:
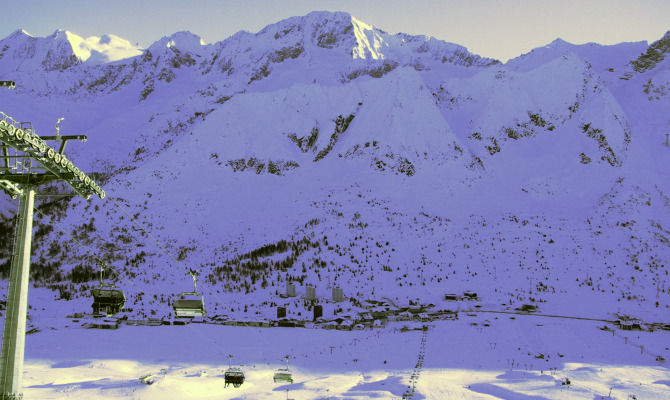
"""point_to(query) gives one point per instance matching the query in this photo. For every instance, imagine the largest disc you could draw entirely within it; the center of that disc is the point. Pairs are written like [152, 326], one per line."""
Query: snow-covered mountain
[325, 150]
[601, 58]
[20, 51]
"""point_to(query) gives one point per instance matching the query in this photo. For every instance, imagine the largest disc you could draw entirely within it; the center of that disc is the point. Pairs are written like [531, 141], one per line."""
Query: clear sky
[500, 29]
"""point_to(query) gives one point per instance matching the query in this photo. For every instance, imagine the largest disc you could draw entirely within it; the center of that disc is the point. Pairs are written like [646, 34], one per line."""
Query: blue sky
[495, 28]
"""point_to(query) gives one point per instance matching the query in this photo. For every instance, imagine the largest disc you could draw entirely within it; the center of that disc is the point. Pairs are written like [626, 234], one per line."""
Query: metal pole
[14, 332]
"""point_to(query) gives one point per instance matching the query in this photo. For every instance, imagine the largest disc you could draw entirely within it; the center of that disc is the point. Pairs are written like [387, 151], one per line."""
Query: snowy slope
[602, 58]
[393, 165]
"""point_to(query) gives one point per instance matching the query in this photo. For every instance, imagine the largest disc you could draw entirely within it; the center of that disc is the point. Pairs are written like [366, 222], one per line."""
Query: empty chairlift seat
[234, 376]
[283, 374]
[189, 305]
[107, 299]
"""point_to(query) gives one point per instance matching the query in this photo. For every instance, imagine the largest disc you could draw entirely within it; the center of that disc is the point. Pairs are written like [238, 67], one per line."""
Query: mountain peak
[326, 15]
[20, 32]
[60, 33]
[330, 30]
[182, 40]
[62, 49]
[558, 43]
[600, 57]
[325, 29]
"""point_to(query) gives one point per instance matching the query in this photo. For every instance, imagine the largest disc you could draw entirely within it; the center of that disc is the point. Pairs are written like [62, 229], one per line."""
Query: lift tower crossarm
[55, 162]
[63, 140]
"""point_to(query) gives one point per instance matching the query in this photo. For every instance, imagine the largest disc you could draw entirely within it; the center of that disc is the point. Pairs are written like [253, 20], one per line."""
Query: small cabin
[630, 324]
[346, 325]
[318, 312]
[290, 290]
[470, 295]
[529, 308]
[415, 308]
[281, 312]
[338, 294]
[379, 313]
[310, 292]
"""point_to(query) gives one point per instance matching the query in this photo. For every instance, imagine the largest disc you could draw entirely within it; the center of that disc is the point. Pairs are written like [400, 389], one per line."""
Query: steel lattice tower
[26, 162]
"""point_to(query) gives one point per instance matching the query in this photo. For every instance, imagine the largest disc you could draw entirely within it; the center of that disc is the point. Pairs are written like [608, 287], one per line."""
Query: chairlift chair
[233, 375]
[107, 298]
[190, 304]
[283, 374]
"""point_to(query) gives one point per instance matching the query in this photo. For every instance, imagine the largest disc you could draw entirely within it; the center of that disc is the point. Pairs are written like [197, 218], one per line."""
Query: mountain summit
[183, 40]
[342, 31]
[61, 50]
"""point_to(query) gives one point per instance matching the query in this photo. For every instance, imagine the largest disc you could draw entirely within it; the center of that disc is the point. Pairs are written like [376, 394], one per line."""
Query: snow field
[524, 357]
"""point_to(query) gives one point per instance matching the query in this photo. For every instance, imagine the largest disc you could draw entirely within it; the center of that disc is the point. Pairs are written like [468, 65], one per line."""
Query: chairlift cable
[137, 225]
[140, 227]
[189, 271]
[86, 248]
[117, 294]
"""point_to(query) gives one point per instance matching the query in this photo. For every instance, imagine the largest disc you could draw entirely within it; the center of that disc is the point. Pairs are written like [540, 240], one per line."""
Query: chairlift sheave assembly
[233, 375]
[107, 298]
[190, 304]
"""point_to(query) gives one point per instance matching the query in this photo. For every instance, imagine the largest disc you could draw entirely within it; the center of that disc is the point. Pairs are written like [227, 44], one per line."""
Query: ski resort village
[325, 210]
